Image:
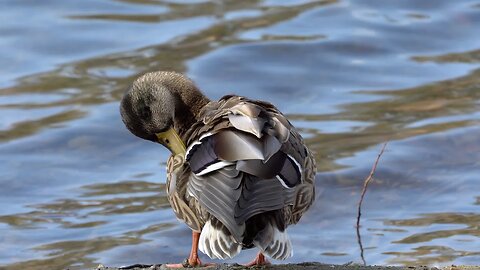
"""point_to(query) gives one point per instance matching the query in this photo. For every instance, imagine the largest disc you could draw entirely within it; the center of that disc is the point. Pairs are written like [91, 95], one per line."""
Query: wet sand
[299, 266]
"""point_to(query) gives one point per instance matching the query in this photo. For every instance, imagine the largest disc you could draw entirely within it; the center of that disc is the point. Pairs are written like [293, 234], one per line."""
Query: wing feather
[265, 158]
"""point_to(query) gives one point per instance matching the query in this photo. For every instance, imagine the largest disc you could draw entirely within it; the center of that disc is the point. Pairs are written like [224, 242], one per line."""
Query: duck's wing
[245, 159]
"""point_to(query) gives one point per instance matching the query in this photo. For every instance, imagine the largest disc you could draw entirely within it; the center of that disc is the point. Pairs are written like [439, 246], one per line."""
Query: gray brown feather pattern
[260, 143]
[246, 173]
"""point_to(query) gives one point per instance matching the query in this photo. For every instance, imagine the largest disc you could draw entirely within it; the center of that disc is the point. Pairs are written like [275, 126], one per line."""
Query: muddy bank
[300, 266]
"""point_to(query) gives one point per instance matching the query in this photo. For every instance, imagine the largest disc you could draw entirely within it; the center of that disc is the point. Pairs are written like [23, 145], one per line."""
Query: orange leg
[192, 260]
[259, 260]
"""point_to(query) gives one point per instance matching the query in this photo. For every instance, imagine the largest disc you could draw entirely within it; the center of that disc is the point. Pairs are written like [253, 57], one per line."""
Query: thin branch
[364, 190]
[367, 181]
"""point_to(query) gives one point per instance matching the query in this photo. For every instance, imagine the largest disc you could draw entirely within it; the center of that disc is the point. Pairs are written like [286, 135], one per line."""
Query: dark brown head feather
[159, 100]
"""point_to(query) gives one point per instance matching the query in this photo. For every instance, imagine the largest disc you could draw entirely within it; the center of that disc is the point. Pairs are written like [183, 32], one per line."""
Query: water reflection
[90, 210]
[427, 254]
[447, 105]
[470, 221]
[96, 200]
[350, 75]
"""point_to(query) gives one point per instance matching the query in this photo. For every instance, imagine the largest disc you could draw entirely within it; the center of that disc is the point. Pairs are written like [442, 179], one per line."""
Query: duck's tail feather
[217, 242]
[274, 243]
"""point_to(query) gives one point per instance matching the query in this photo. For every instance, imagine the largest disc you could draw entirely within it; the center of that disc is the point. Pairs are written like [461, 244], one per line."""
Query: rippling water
[78, 190]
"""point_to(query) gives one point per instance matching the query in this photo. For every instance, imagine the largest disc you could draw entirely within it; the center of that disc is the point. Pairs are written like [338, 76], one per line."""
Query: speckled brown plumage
[246, 174]
[214, 118]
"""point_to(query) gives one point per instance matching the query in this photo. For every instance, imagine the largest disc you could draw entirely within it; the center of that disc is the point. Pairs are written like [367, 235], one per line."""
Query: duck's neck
[187, 110]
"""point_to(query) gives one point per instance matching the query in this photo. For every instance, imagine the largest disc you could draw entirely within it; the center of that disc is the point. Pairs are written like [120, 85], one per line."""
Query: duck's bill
[172, 141]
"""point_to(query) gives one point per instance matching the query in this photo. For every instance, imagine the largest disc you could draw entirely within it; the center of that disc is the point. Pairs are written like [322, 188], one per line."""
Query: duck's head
[159, 104]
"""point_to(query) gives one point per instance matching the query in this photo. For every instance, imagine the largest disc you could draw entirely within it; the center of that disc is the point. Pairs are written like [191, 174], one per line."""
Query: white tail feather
[279, 248]
[216, 244]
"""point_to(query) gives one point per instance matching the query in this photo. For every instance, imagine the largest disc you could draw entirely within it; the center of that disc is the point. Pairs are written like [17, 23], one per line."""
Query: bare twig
[364, 190]
[367, 181]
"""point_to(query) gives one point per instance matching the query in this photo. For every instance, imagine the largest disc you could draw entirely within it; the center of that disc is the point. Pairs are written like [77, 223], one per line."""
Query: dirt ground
[300, 266]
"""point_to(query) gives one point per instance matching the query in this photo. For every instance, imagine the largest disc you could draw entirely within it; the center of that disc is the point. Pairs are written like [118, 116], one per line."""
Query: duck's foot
[192, 260]
[189, 263]
[258, 261]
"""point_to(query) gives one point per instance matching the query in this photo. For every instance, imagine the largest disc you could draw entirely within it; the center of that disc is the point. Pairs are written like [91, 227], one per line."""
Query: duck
[239, 172]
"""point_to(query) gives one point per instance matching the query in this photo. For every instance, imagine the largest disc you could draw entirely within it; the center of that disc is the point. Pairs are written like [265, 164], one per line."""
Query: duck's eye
[167, 141]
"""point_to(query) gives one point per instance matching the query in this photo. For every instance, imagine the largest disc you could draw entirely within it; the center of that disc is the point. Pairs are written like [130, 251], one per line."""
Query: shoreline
[297, 266]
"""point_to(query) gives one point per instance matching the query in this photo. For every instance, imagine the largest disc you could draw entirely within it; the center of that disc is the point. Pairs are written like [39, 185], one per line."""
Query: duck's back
[250, 176]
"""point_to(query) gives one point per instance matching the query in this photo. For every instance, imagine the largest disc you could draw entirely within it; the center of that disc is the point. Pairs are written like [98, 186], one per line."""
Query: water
[77, 189]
